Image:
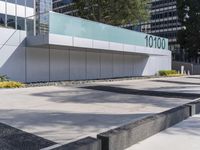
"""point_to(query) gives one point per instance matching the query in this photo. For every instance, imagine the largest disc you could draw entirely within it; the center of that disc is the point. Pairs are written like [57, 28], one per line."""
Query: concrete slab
[64, 114]
[183, 136]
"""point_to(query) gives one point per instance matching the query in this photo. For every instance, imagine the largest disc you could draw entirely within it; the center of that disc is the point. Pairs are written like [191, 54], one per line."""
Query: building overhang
[73, 32]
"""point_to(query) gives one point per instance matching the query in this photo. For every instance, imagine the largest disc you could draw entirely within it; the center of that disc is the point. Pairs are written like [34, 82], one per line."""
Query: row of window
[12, 22]
[60, 3]
[165, 25]
[164, 15]
[162, 3]
[169, 35]
[28, 3]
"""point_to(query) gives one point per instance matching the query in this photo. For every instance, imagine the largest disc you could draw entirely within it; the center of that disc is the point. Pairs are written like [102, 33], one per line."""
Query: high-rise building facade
[164, 22]
[64, 7]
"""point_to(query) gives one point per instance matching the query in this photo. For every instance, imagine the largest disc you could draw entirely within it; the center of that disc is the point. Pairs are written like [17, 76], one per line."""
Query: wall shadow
[14, 139]
[177, 82]
[143, 92]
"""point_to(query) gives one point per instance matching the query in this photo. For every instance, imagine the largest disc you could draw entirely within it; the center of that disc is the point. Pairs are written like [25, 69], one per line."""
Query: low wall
[187, 66]
[130, 134]
[194, 69]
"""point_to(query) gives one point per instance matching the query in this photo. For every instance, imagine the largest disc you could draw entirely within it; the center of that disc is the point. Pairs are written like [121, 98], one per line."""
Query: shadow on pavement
[15, 139]
[143, 92]
[177, 82]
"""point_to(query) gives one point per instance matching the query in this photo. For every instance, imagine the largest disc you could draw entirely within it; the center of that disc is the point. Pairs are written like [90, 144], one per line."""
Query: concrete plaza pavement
[64, 114]
[183, 136]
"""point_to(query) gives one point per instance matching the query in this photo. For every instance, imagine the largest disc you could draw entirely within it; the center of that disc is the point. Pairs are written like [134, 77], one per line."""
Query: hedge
[11, 84]
[168, 72]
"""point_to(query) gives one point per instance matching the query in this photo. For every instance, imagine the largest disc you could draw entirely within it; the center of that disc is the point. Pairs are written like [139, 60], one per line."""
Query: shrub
[3, 78]
[11, 84]
[168, 72]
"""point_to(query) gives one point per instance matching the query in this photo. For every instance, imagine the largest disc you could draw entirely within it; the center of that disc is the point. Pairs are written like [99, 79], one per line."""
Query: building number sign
[155, 42]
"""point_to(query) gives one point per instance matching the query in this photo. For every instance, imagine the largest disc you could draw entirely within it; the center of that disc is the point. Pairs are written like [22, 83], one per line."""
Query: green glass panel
[77, 27]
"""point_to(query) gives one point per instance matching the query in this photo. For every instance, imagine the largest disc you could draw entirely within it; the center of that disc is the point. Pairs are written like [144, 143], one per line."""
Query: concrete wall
[31, 64]
[129, 134]
[196, 69]
[176, 65]
[192, 68]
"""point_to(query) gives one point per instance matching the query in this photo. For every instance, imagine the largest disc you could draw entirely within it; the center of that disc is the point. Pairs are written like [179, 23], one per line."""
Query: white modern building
[58, 47]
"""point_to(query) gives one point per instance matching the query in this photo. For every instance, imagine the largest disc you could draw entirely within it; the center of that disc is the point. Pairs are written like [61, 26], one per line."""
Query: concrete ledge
[15, 139]
[195, 107]
[88, 143]
[130, 134]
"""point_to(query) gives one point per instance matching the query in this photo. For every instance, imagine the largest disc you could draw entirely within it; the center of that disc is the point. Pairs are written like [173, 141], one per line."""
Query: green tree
[115, 12]
[189, 36]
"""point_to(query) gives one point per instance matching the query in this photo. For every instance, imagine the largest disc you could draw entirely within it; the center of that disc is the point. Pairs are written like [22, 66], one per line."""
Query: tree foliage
[115, 12]
[189, 36]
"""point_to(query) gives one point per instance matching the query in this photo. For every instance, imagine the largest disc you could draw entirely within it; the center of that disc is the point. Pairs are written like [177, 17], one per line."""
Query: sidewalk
[183, 136]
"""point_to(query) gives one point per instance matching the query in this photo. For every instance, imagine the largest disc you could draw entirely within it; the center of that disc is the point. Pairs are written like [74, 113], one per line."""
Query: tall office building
[64, 7]
[164, 22]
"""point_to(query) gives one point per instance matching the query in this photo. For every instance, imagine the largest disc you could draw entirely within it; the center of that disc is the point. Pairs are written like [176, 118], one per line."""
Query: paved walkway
[183, 136]
[63, 114]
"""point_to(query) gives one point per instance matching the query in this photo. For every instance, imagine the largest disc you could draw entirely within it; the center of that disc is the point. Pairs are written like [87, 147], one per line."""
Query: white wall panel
[118, 65]
[21, 11]
[100, 44]
[151, 66]
[56, 39]
[93, 65]
[14, 38]
[83, 42]
[12, 62]
[77, 65]
[129, 48]
[29, 11]
[37, 64]
[9, 37]
[11, 9]
[59, 65]
[116, 46]
[139, 64]
[128, 65]
[106, 65]
[2, 7]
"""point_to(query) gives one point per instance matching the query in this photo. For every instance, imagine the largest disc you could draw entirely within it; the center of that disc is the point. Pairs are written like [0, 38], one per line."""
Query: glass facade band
[77, 27]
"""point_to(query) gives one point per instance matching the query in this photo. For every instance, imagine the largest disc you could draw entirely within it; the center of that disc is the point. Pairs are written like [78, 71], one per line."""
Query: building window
[2, 20]
[11, 21]
[21, 2]
[20, 23]
[11, 1]
[30, 3]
